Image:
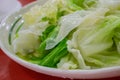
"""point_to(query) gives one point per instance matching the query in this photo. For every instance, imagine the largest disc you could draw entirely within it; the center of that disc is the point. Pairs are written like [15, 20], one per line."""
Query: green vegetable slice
[12, 28]
[55, 55]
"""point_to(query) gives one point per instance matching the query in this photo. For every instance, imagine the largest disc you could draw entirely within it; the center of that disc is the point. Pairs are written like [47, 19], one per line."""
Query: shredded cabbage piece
[72, 34]
[72, 21]
[67, 62]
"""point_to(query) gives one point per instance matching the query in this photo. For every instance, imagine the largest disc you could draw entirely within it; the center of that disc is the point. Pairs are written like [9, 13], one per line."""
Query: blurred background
[8, 6]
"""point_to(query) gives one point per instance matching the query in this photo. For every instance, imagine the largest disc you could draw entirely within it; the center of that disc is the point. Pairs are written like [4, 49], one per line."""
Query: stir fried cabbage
[71, 34]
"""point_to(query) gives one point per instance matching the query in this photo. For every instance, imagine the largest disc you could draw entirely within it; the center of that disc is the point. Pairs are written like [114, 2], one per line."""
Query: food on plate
[69, 34]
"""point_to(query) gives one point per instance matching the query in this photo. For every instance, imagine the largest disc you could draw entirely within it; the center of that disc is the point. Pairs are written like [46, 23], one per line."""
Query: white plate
[73, 74]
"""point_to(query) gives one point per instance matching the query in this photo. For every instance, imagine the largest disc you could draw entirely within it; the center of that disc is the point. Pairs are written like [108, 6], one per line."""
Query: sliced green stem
[11, 30]
[51, 59]
[51, 35]
[47, 31]
[19, 27]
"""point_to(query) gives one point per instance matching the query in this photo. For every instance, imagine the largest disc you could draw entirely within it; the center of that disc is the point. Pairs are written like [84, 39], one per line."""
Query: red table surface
[10, 70]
